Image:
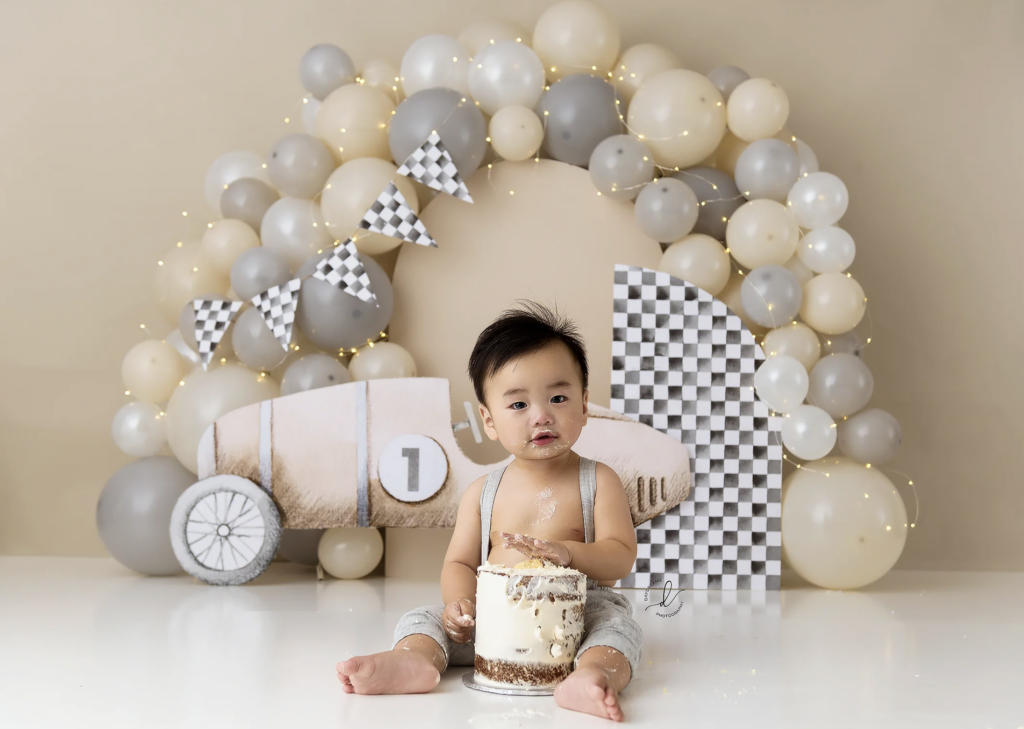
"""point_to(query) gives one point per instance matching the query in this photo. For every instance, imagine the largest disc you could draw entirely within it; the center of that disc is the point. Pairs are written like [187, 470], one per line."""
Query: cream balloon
[206, 396]
[488, 32]
[349, 553]
[138, 429]
[639, 63]
[809, 432]
[833, 303]
[576, 36]
[516, 133]
[382, 76]
[353, 122]
[843, 525]
[700, 260]
[757, 109]
[151, 370]
[351, 190]
[435, 61]
[781, 382]
[762, 232]
[224, 241]
[680, 115]
[794, 340]
[728, 152]
[730, 296]
[381, 361]
[182, 275]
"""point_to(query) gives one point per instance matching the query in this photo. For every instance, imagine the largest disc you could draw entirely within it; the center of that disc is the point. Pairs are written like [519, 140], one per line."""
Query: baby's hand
[458, 620]
[555, 552]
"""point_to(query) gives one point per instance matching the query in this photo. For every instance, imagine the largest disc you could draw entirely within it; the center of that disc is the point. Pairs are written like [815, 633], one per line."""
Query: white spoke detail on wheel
[225, 530]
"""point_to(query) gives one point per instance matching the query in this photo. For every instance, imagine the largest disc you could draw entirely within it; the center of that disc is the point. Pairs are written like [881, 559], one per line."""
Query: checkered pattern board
[433, 166]
[683, 363]
[277, 307]
[212, 319]
[391, 215]
[343, 270]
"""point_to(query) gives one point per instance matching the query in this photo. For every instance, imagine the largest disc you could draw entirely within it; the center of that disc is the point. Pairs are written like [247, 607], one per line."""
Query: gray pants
[607, 620]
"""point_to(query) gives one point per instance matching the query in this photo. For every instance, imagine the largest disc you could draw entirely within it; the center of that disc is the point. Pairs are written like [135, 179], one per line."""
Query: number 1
[413, 454]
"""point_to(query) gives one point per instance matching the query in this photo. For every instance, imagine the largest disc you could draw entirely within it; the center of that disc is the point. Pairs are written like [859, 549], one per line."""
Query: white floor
[85, 643]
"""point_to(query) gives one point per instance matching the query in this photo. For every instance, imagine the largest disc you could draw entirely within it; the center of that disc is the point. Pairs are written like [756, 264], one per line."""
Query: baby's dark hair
[517, 332]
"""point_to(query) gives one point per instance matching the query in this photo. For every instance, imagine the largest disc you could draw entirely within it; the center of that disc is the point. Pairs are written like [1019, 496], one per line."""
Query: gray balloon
[578, 111]
[254, 344]
[727, 78]
[840, 384]
[620, 166]
[767, 169]
[718, 197]
[771, 295]
[313, 372]
[257, 269]
[187, 326]
[133, 515]
[452, 115]
[300, 546]
[334, 320]
[324, 68]
[299, 165]
[870, 436]
[666, 210]
[845, 343]
[247, 199]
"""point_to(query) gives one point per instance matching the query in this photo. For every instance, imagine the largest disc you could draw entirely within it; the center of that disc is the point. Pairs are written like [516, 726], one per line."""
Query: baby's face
[536, 405]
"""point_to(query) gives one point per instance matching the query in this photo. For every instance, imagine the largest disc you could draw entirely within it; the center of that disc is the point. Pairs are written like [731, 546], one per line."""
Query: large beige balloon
[730, 296]
[504, 247]
[382, 360]
[576, 36]
[353, 122]
[638, 64]
[757, 109]
[349, 553]
[762, 232]
[833, 303]
[699, 259]
[223, 241]
[151, 370]
[794, 340]
[183, 275]
[844, 525]
[680, 115]
[516, 133]
[205, 396]
[489, 32]
[383, 76]
[351, 190]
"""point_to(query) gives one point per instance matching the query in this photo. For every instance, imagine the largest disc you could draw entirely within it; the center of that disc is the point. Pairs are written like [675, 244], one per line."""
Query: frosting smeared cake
[529, 623]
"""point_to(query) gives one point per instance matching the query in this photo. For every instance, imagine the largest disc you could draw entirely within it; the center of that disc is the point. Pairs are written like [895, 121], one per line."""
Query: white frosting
[511, 617]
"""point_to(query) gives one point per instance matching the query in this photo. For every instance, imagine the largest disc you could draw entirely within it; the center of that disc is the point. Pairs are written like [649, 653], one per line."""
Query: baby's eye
[564, 398]
[513, 405]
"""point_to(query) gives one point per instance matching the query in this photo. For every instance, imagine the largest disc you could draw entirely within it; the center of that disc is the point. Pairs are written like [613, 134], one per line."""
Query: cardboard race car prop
[370, 453]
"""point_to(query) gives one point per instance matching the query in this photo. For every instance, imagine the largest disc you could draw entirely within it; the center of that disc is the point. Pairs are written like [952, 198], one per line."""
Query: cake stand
[470, 680]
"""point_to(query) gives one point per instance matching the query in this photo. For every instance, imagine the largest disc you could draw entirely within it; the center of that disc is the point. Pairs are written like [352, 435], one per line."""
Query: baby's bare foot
[390, 672]
[588, 690]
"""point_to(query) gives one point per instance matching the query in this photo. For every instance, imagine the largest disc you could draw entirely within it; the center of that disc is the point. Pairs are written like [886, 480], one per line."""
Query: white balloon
[506, 73]
[827, 250]
[383, 360]
[296, 228]
[228, 168]
[781, 382]
[435, 61]
[818, 200]
[349, 553]
[808, 160]
[138, 429]
[809, 432]
[310, 106]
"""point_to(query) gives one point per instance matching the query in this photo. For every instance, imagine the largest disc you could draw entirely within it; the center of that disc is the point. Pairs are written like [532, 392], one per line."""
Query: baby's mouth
[544, 439]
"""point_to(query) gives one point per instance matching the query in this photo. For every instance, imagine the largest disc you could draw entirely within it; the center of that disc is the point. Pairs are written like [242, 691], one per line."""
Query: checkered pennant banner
[433, 166]
[683, 363]
[344, 270]
[391, 215]
[277, 307]
[212, 319]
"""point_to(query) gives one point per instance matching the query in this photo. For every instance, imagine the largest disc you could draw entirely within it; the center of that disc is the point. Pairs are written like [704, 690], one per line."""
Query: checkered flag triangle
[391, 215]
[343, 269]
[277, 306]
[212, 319]
[433, 166]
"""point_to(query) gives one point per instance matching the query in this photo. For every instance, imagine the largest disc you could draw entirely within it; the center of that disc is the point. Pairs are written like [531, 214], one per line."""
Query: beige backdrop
[110, 113]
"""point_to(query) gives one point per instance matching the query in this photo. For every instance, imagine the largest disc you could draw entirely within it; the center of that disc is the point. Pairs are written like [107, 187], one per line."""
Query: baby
[529, 371]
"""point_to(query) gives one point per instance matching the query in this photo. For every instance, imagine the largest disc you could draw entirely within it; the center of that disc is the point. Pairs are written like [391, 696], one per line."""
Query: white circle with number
[412, 468]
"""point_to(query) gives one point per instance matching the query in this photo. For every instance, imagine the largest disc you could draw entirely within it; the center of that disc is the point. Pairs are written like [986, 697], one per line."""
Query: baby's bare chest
[552, 511]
